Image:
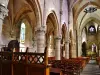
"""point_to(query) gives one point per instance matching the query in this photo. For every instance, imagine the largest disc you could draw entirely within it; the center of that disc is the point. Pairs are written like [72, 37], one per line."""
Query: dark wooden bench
[98, 61]
[69, 66]
[55, 71]
[23, 63]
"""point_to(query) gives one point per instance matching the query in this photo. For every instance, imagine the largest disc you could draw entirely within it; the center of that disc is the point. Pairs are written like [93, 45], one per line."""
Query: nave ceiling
[19, 10]
[80, 17]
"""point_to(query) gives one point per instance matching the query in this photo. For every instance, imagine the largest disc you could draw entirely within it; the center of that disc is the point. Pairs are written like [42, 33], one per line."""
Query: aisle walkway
[91, 69]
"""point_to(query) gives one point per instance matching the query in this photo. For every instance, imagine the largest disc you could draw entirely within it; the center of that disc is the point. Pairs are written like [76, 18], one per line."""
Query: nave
[91, 69]
[68, 29]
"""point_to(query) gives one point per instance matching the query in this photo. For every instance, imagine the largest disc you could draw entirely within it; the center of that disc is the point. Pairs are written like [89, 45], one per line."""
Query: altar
[93, 51]
[92, 54]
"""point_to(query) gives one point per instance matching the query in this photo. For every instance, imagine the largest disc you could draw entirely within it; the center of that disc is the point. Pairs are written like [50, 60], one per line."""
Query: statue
[94, 48]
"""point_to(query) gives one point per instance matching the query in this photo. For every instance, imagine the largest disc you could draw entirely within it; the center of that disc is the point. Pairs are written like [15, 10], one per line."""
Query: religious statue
[94, 47]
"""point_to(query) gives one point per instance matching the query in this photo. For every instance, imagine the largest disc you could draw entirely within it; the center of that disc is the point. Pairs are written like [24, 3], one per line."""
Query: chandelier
[90, 10]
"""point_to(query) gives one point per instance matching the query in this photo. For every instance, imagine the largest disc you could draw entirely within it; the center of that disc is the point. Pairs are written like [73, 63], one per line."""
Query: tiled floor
[91, 69]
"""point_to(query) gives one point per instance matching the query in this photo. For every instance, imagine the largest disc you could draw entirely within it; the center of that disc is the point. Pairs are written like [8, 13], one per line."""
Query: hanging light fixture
[90, 9]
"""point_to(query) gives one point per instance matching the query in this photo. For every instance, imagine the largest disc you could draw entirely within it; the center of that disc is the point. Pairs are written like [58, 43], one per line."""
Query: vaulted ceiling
[19, 10]
[80, 17]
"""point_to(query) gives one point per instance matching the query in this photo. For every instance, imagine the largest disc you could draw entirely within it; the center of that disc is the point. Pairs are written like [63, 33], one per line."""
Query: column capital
[41, 29]
[4, 3]
[66, 42]
[3, 11]
[58, 38]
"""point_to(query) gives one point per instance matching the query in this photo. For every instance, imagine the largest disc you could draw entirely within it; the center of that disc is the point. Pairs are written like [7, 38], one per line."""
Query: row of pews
[71, 66]
[28, 63]
[98, 61]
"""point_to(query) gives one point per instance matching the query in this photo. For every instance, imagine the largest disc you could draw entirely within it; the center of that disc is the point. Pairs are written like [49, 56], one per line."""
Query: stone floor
[91, 69]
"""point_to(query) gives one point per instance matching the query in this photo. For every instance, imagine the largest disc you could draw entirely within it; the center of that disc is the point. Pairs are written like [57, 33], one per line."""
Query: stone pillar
[3, 13]
[67, 49]
[79, 46]
[41, 40]
[74, 54]
[57, 48]
[35, 44]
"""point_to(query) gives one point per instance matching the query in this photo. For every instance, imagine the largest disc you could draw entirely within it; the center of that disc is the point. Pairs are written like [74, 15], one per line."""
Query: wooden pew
[54, 69]
[98, 61]
[69, 66]
[5, 63]
[23, 63]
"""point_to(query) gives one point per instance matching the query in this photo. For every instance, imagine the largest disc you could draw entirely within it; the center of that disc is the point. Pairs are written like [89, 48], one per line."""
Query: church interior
[59, 37]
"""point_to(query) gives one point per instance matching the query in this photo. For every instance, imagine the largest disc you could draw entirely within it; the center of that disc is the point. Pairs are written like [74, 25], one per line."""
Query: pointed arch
[95, 19]
[85, 5]
[51, 32]
[54, 19]
[32, 6]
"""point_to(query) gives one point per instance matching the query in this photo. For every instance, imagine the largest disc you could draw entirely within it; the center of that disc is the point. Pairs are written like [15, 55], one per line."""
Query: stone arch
[85, 5]
[31, 7]
[92, 18]
[51, 32]
[22, 12]
[53, 13]
[31, 12]
[95, 19]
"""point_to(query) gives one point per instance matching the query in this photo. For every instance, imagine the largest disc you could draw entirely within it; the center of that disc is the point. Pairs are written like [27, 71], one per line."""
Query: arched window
[92, 29]
[22, 33]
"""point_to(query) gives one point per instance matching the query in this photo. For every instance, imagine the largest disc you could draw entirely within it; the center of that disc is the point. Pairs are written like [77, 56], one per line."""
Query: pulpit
[13, 44]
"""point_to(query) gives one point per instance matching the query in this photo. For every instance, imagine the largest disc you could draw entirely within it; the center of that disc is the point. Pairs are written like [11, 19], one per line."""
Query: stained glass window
[22, 33]
[92, 30]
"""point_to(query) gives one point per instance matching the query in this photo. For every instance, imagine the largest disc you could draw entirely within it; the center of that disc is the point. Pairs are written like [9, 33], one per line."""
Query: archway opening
[51, 33]
[27, 12]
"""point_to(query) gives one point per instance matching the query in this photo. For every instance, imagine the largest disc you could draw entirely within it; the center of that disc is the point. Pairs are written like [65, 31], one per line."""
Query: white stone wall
[54, 5]
[49, 6]
[64, 17]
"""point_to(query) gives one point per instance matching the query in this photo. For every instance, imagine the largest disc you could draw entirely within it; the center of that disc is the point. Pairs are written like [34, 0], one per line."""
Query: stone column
[41, 40]
[35, 44]
[67, 49]
[79, 46]
[3, 13]
[74, 55]
[57, 48]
